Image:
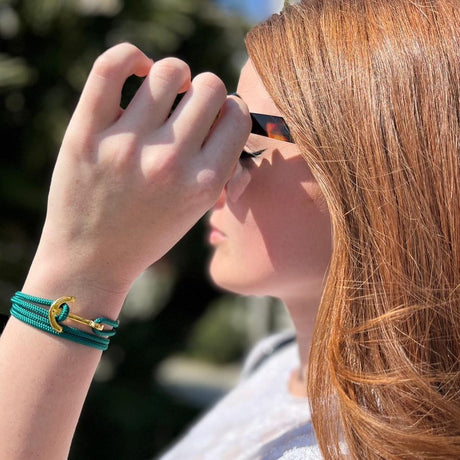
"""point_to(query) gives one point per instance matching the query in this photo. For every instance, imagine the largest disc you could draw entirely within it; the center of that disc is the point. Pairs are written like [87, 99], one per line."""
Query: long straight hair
[370, 90]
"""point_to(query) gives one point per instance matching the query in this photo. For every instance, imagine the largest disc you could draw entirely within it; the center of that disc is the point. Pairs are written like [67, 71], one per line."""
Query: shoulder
[266, 349]
[302, 453]
[258, 419]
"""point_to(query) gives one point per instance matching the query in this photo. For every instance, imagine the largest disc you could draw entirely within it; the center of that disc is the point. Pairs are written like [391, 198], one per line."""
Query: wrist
[94, 295]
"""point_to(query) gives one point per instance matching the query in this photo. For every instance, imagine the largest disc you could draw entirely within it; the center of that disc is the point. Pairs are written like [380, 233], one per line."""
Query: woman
[370, 92]
[270, 231]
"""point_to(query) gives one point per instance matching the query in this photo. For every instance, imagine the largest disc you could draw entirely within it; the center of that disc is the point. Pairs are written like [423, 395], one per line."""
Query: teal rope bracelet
[25, 308]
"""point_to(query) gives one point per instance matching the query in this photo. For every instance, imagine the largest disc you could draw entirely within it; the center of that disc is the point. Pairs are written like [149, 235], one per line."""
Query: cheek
[281, 246]
[278, 231]
[296, 232]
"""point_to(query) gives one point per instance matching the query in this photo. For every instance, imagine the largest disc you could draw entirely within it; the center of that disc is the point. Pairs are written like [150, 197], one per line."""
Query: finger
[227, 138]
[195, 115]
[152, 103]
[99, 105]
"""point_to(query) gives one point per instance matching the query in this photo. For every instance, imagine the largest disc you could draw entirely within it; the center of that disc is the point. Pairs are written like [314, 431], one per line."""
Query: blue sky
[254, 10]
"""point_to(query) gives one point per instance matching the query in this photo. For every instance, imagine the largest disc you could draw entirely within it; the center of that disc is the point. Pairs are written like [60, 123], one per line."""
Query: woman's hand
[129, 184]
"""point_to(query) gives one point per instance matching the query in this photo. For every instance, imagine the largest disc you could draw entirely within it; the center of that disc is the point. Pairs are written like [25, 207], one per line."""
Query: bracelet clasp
[56, 310]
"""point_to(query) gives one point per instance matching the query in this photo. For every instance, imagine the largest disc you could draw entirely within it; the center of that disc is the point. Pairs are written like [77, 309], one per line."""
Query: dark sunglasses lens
[270, 126]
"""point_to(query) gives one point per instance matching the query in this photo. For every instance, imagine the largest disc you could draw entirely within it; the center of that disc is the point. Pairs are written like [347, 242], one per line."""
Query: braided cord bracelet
[25, 308]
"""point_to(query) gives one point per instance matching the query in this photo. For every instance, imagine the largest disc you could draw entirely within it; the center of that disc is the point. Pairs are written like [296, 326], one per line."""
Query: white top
[259, 419]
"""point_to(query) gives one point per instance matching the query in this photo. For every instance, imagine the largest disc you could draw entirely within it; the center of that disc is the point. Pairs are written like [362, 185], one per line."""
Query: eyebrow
[270, 126]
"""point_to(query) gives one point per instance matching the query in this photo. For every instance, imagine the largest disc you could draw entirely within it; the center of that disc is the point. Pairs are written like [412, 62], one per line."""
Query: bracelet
[24, 308]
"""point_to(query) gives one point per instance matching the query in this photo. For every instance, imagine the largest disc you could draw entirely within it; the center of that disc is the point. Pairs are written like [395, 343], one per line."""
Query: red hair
[370, 90]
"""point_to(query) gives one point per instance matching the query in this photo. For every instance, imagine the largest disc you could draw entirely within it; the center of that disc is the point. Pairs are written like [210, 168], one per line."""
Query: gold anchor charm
[56, 309]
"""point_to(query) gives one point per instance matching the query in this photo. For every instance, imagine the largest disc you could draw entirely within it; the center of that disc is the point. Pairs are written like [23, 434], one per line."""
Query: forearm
[127, 186]
[44, 387]
[42, 392]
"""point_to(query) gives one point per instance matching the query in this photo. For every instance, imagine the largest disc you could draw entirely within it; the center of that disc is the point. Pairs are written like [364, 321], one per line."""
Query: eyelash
[245, 154]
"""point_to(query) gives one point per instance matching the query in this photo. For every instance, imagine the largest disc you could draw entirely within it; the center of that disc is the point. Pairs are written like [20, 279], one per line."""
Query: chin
[239, 288]
[238, 282]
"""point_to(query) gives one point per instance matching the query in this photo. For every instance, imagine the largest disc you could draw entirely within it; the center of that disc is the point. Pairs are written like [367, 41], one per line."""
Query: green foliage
[46, 51]
[14, 74]
[219, 335]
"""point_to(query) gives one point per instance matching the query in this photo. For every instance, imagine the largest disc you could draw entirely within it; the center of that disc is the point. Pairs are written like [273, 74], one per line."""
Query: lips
[216, 235]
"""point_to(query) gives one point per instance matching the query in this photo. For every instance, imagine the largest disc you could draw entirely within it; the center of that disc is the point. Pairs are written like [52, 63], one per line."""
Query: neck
[303, 314]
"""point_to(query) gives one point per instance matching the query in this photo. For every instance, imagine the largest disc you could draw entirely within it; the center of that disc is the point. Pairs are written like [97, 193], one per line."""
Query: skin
[270, 227]
[120, 177]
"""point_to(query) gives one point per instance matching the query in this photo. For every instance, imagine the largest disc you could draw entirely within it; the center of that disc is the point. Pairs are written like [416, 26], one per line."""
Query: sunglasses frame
[270, 126]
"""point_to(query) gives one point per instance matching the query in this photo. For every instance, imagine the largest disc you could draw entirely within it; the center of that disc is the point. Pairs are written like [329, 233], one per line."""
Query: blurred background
[181, 341]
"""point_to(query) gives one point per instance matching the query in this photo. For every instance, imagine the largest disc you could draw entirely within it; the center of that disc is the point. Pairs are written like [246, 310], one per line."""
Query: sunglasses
[268, 126]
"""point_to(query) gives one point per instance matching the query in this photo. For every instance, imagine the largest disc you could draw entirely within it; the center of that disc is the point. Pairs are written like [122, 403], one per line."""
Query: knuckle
[108, 64]
[164, 166]
[203, 184]
[125, 48]
[209, 184]
[170, 70]
[118, 151]
[103, 66]
[211, 81]
[238, 114]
